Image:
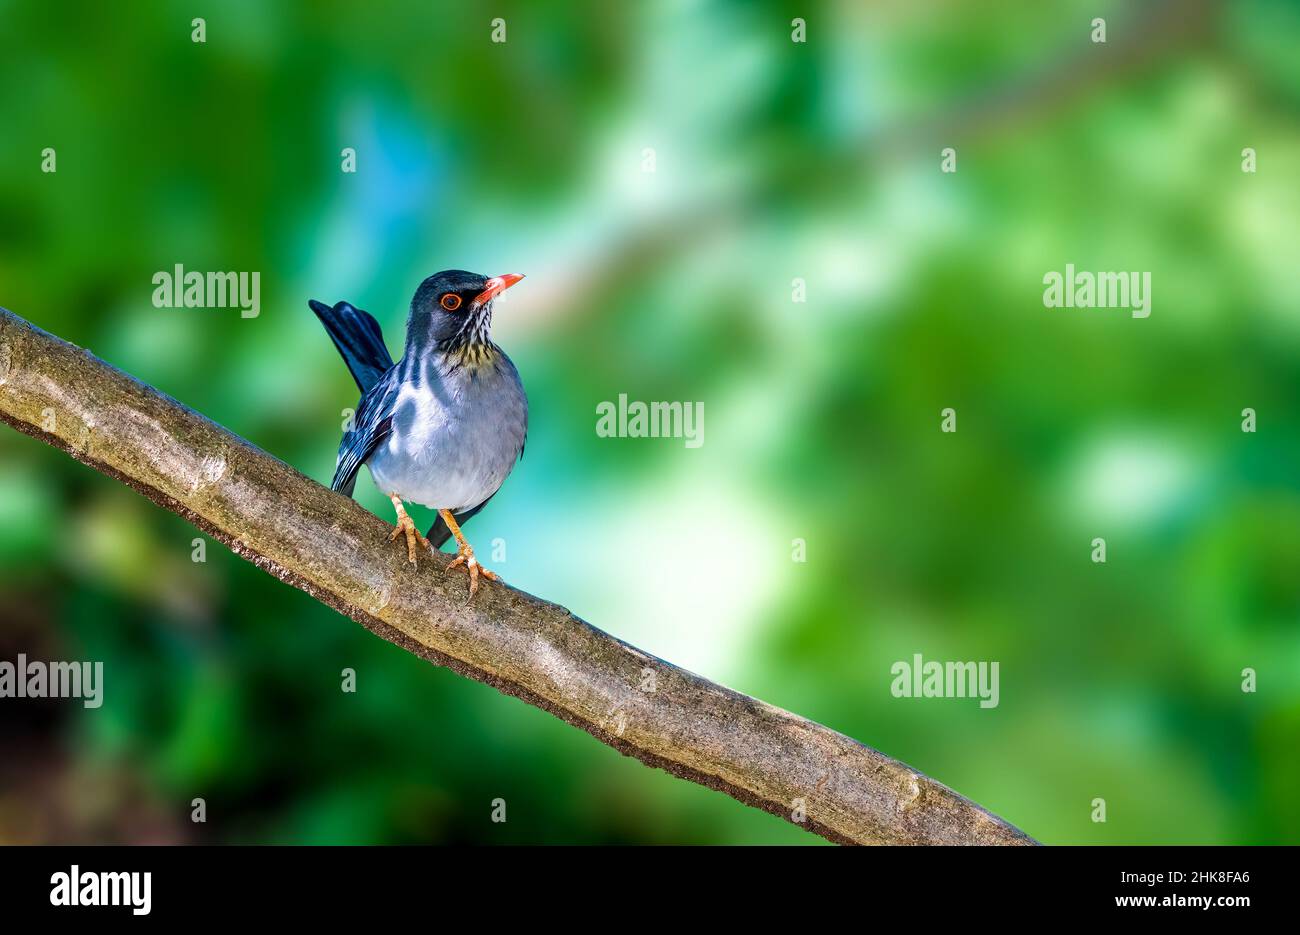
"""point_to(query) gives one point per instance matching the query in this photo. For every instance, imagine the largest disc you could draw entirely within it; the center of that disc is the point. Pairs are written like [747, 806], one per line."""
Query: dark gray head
[454, 308]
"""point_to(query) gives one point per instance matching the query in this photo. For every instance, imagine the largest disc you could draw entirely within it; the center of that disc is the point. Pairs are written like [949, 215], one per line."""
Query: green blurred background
[773, 161]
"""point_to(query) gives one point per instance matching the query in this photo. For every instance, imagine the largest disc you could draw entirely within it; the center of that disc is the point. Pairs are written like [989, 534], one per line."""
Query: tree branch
[330, 547]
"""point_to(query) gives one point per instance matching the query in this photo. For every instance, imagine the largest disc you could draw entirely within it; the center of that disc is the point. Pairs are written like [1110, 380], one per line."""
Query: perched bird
[443, 426]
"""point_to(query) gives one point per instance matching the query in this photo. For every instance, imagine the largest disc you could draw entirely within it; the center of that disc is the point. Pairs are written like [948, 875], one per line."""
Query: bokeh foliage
[773, 161]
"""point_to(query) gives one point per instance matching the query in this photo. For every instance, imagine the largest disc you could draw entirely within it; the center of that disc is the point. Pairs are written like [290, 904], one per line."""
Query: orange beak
[495, 286]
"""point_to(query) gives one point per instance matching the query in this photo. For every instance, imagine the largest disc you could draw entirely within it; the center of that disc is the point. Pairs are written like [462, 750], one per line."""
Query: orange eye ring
[450, 301]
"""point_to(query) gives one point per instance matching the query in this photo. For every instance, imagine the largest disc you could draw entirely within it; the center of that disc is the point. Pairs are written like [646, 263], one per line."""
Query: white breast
[456, 436]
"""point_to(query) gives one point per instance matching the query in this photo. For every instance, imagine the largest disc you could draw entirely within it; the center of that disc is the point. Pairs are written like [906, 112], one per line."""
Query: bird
[444, 425]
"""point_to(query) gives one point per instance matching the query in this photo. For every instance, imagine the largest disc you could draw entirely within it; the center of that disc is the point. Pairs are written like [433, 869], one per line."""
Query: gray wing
[371, 424]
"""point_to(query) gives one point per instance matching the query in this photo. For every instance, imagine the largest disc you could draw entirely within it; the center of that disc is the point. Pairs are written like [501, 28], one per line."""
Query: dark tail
[357, 336]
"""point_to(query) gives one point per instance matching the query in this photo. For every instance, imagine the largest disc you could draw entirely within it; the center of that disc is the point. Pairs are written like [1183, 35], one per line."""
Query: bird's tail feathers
[359, 340]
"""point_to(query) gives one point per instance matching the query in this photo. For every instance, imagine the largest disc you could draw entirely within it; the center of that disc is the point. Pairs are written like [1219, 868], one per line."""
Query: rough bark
[327, 545]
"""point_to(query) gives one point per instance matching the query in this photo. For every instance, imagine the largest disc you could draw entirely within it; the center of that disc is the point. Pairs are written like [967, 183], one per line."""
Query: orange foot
[465, 556]
[407, 525]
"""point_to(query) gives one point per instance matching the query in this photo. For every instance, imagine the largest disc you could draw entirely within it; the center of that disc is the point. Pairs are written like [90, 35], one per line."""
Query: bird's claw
[465, 557]
[413, 535]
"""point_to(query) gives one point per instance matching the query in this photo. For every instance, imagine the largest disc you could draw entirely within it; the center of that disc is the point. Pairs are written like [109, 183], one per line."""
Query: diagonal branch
[327, 545]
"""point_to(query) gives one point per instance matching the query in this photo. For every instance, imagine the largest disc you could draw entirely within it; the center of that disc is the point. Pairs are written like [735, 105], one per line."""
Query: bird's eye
[450, 301]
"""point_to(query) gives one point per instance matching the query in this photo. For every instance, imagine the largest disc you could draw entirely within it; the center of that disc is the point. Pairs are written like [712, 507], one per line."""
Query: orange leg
[406, 525]
[465, 555]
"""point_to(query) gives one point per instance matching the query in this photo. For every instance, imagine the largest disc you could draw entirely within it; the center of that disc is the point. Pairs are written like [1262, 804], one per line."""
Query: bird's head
[453, 308]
